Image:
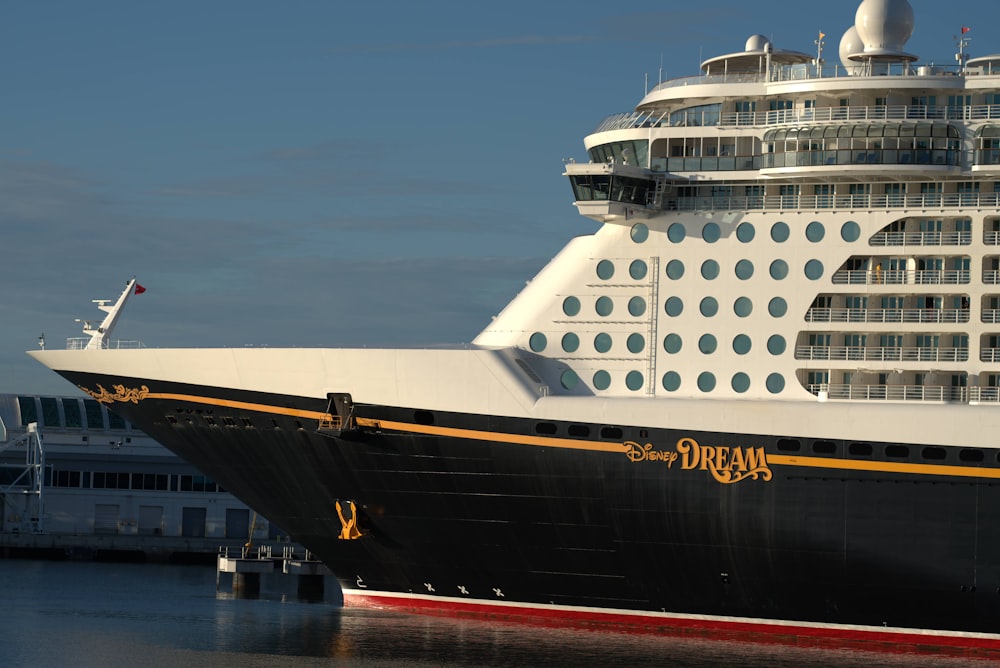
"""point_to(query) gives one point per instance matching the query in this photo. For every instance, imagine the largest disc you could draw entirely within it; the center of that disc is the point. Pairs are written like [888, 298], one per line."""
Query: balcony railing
[888, 354]
[888, 315]
[990, 315]
[991, 238]
[991, 355]
[900, 277]
[921, 239]
[936, 393]
[991, 277]
[883, 202]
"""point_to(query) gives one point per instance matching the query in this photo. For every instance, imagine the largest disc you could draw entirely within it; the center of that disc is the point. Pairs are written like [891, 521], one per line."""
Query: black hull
[447, 511]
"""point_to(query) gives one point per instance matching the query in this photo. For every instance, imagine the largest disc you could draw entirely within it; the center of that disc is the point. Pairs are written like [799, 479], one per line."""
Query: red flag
[965, 29]
[139, 289]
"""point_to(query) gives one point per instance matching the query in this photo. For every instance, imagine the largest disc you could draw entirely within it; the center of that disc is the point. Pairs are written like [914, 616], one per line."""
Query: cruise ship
[760, 400]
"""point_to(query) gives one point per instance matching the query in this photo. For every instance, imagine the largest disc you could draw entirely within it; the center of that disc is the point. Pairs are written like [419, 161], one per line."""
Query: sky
[328, 173]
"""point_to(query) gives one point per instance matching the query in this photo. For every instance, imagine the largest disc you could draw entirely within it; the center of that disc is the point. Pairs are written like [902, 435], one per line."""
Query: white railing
[901, 276]
[991, 238]
[921, 239]
[888, 315]
[937, 393]
[925, 201]
[991, 276]
[80, 343]
[989, 355]
[779, 117]
[887, 354]
[990, 315]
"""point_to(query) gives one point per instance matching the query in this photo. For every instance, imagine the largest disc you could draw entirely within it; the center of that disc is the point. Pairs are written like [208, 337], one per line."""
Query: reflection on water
[87, 614]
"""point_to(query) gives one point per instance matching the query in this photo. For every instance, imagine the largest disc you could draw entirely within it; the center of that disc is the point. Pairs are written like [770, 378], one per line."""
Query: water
[97, 614]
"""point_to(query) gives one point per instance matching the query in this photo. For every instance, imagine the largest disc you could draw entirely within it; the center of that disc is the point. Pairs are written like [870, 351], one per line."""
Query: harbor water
[106, 614]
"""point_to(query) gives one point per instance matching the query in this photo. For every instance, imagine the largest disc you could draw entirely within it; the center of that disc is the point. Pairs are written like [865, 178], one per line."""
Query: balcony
[888, 354]
[991, 277]
[921, 239]
[917, 315]
[902, 277]
[933, 393]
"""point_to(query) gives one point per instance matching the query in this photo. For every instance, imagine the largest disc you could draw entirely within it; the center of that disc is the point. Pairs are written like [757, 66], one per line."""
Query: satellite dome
[884, 25]
[756, 43]
[850, 44]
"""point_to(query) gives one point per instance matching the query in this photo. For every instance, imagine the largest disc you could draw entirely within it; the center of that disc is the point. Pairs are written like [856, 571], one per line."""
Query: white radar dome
[850, 44]
[884, 24]
[756, 43]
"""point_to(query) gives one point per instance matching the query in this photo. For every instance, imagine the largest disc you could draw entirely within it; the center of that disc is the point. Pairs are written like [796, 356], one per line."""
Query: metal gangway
[29, 484]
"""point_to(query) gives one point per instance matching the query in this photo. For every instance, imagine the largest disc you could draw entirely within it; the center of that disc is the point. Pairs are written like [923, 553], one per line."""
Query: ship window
[779, 232]
[710, 270]
[671, 381]
[776, 344]
[423, 417]
[860, 449]
[569, 379]
[744, 269]
[824, 447]
[745, 232]
[605, 269]
[637, 270]
[639, 233]
[741, 344]
[570, 342]
[814, 270]
[675, 269]
[706, 381]
[672, 343]
[778, 270]
[546, 428]
[710, 233]
[674, 306]
[635, 343]
[209, 420]
[676, 233]
[709, 307]
[537, 342]
[850, 231]
[741, 382]
[171, 419]
[777, 307]
[637, 306]
[634, 380]
[897, 451]
[613, 433]
[602, 380]
[602, 342]
[970, 455]
[571, 306]
[815, 231]
[604, 306]
[789, 445]
[743, 307]
[933, 453]
[707, 344]
[579, 430]
[775, 383]
[229, 422]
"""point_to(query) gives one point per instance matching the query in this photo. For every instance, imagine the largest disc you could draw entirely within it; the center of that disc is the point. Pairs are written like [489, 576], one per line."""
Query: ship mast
[98, 336]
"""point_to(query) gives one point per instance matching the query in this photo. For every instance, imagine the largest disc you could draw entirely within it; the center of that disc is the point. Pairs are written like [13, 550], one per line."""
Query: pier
[246, 566]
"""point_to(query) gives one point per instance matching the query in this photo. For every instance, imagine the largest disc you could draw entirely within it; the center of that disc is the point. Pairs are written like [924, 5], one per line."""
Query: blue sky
[326, 173]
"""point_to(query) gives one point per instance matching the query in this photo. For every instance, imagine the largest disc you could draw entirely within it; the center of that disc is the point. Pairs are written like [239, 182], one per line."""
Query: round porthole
[672, 343]
[814, 270]
[571, 306]
[710, 233]
[779, 232]
[639, 233]
[709, 307]
[741, 382]
[569, 379]
[707, 344]
[744, 269]
[671, 381]
[777, 307]
[637, 270]
[776, 344]
[674, 306]
[570, 342]
[775, 383]
[815, 231]
[706, 381]
[635, 343]
[637, 306]
[779, 270]
[850, 231]
[602, 342]
[676, 233]
[709, 270]
[741, 344]
[634, 380]
[602, 380]
[604, 306]
[605, 269]
[745, 232]
[537, 342]
[675, 269]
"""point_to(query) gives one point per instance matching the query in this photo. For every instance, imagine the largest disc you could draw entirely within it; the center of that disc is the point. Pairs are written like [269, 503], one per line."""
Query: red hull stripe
[758, 630]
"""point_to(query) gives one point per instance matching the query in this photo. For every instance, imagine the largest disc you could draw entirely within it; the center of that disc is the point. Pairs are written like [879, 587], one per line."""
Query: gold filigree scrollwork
[122, 394]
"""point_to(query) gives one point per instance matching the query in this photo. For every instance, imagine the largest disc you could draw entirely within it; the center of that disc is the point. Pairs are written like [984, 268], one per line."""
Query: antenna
[98, 337]
[961, 42]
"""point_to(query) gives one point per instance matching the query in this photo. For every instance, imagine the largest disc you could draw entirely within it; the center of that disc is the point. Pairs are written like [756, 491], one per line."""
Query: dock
[247, 565]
